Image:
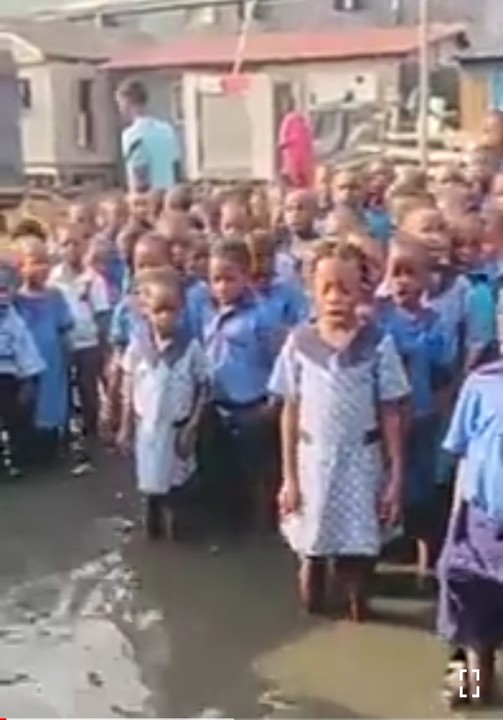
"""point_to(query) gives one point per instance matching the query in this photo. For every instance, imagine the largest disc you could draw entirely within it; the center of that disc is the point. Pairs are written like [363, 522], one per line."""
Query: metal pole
[424, 82]
[243, 36]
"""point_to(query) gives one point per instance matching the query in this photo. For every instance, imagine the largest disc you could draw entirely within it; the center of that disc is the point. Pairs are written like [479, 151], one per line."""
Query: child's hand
[390, 505]
[289, 499]
[185, 442]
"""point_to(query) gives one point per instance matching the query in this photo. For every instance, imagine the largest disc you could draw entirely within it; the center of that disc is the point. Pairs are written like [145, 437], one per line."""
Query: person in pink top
[296, 149]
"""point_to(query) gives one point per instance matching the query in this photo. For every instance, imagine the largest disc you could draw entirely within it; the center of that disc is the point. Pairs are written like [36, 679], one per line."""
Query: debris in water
[17, 679]
[95, 679]
[126, 526]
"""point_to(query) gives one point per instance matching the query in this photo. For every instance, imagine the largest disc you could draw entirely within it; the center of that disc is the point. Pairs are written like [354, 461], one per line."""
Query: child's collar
[246, 300]
[168, 349]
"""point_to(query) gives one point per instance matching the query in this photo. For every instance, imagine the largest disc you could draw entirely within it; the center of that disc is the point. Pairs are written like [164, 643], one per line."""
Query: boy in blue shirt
[297, 232]
[420, 341]
[240, 344]
[481, 343]
[285, 302]
[20, 365]
[376, 213]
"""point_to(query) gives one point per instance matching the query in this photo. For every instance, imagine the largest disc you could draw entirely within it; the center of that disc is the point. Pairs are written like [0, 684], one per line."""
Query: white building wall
[247, 149]
[65, 79]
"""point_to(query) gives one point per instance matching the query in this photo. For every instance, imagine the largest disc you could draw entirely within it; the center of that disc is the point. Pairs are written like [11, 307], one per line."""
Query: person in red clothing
[296, 148]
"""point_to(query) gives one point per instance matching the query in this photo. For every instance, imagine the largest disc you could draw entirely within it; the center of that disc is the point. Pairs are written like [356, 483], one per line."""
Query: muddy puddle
[95, 623]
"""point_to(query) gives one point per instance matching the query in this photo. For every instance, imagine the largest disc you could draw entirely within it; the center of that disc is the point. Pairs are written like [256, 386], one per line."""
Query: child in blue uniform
[111, 219]
[298, 230]
[420, 340]
[470, 570]
[240, 343]
[285, 301]
[481, 326]
[20, 367]
[235, 218]
[150, 252]
[48, 317]
[197, 259]
[86, 294]
[377, 217]
[126, 242]
[164, 393]
[341, 384]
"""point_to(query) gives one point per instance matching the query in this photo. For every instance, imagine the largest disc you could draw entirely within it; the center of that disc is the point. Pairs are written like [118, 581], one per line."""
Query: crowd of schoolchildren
[304, 352]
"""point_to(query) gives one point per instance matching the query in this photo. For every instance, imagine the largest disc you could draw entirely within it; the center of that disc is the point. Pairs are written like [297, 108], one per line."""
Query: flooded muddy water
[94, 622]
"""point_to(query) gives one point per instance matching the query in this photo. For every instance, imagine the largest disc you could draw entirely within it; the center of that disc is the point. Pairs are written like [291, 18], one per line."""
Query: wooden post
[424, 82]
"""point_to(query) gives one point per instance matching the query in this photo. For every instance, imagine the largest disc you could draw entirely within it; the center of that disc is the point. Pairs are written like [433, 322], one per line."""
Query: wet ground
[95, 623]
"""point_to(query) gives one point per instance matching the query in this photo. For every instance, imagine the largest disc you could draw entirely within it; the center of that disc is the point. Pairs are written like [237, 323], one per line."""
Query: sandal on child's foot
[455, 689]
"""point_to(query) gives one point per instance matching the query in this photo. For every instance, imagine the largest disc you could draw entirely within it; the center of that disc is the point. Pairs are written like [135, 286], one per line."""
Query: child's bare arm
[392, 424]
[289, 441]
[290, 498]
[127, 412]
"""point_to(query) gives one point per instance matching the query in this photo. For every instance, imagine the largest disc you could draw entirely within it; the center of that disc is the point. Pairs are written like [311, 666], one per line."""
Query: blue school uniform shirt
[19, 356]
[115, 272]
[481, 312]
[240, 344]
[48, 318]
[126, 320]
[450, 304]
[284, 302]
[476, 433]
[379, 223]
[420, 341]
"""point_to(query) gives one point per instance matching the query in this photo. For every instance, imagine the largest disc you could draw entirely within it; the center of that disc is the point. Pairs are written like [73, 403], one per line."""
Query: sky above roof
[16, 7]
[20, 7]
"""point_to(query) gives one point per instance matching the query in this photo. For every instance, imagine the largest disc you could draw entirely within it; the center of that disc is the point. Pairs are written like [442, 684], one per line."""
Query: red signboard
[235, 84]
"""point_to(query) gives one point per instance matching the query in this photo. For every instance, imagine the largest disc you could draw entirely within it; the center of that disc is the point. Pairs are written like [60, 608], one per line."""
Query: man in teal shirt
[150, 147]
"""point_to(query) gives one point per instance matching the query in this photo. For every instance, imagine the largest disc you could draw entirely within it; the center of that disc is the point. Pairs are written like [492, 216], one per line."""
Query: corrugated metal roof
[65, 40]
[219, 51]
[486, 50]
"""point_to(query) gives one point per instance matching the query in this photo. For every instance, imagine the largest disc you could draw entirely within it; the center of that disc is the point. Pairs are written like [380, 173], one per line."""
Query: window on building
[25, 93]
[347, 5]
[202, 16]
[85, 116]
[176, 103]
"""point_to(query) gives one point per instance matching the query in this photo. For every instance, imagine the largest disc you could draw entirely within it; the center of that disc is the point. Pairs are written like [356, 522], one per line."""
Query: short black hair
[134, 91]
[233, 251]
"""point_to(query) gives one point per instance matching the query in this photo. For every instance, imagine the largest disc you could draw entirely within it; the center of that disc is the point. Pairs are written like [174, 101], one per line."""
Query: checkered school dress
[165, 382]
[339, 453]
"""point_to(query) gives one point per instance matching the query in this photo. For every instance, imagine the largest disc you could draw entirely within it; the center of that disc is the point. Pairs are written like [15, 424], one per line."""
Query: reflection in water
[67, 647]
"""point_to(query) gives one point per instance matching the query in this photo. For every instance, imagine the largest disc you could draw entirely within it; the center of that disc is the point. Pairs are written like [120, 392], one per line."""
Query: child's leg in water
[469, 677]
[354, 574]
[154, 517]
[313, 584]
[481, 667]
